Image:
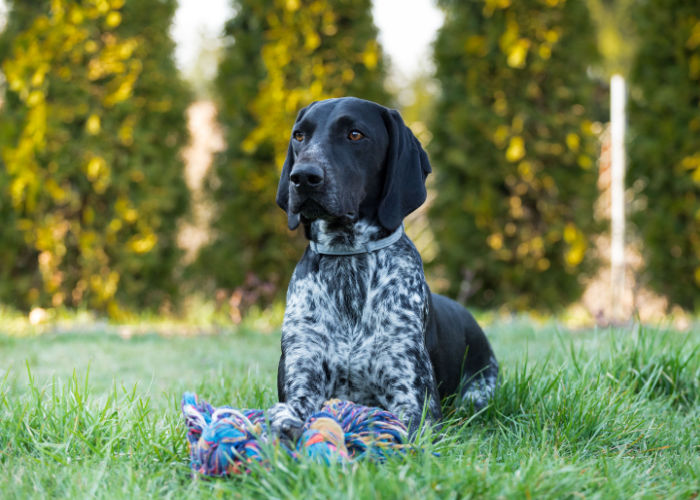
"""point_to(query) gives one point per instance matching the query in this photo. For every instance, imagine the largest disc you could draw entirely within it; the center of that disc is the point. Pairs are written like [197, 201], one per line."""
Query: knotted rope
[226, 441]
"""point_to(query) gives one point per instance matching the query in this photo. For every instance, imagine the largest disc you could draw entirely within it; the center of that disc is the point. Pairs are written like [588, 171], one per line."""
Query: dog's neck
[336, 238]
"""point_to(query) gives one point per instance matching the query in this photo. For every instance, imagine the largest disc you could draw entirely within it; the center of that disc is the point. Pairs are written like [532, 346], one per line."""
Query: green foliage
[280, 56]
[616, 34]
[664, 154]
[514, 151]
[90, 137]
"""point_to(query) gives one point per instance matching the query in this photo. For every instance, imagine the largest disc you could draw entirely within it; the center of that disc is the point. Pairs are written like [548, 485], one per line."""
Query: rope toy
[227, 441]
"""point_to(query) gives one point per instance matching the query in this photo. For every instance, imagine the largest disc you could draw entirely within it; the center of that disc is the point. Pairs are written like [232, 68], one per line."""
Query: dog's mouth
[311, 210]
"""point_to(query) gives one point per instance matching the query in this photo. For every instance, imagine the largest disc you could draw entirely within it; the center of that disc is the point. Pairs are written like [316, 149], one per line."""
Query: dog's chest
[355, 335]
[354, 309]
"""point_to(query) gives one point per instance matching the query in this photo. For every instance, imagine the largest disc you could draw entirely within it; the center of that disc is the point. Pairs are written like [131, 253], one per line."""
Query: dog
[360, 322]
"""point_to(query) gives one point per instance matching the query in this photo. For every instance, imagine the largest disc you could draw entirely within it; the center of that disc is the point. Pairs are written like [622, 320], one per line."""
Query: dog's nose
[307, 175]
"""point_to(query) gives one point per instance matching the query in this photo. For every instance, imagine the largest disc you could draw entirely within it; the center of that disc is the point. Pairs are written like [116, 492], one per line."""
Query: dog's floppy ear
[283, 186]
[406, 168]
[283, 189]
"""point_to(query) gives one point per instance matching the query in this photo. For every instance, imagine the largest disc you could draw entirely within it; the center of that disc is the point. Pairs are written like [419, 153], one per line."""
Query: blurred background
[141, 143]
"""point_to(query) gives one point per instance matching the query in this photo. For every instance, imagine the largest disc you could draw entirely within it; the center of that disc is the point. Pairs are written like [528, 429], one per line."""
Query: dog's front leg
[409, 388]
[404, 373]
[301, 384]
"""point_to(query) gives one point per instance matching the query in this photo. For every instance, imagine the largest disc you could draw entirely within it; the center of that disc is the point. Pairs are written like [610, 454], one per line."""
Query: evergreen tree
[514, 151]
[664, 154]
[92, 126]
[281, 55]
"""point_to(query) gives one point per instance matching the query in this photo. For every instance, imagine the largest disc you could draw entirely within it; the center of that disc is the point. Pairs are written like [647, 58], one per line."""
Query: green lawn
[609, 413]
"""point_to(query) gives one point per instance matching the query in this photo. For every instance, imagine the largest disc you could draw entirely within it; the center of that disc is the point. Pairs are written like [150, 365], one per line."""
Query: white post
[617, 195]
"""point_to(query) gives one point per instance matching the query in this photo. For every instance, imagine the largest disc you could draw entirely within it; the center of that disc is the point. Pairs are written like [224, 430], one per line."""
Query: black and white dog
[361, 323]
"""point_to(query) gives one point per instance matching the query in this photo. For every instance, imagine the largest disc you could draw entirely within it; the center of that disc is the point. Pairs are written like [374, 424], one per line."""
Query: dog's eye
[298, 136]
[355, 135]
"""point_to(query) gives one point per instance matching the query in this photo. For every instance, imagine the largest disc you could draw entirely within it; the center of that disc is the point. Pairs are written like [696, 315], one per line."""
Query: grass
[609, 413]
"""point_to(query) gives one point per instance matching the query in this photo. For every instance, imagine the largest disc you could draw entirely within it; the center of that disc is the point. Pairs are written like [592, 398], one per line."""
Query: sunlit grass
[593, 413]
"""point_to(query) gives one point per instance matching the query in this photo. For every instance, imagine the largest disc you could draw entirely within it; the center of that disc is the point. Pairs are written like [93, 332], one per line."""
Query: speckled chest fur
[360, 317]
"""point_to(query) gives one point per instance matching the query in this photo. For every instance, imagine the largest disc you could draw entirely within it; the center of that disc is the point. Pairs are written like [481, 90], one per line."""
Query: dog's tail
[478, 388]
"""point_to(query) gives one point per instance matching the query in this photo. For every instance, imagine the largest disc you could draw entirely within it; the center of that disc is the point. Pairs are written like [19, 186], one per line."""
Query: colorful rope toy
[226, 441]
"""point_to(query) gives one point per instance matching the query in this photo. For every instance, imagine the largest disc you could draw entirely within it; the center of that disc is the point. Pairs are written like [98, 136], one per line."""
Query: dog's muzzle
[307, 182]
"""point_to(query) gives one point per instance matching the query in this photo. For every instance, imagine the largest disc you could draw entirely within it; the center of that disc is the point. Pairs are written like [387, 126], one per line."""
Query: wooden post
[617, 195]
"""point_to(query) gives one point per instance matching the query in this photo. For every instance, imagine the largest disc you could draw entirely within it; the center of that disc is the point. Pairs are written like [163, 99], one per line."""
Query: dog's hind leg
[476, 389]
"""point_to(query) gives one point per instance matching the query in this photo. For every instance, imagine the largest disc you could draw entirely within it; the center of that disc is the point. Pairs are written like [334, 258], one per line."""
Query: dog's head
[350, 159]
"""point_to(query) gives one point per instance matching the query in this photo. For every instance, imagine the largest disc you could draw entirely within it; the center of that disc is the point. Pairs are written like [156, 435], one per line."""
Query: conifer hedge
[514, 151]
[664, 152]
[280, 56]
[91, 129]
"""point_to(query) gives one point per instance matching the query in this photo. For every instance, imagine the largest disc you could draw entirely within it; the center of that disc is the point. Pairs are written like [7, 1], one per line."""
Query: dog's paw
[478, 389]
[284, 423]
